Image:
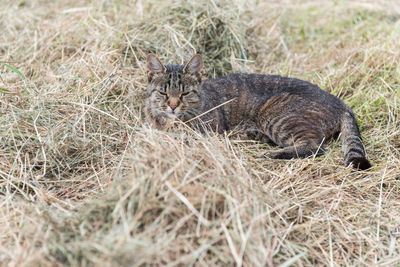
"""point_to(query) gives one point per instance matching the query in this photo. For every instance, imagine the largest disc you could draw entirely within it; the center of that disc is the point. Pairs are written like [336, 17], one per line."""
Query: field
[84, 181]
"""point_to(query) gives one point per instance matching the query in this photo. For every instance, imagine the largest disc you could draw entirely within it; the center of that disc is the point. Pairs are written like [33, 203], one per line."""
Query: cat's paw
[165, 121]
[272, 155]
[275, 154]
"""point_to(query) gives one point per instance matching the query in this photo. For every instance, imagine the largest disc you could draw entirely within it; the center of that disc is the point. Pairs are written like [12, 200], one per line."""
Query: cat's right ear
[154, 66]
[194, 66]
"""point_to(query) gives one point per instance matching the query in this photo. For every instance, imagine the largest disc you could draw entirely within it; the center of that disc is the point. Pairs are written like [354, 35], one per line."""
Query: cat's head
[175, 89]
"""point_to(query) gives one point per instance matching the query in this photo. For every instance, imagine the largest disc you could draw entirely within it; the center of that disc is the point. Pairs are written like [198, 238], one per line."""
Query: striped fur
[352, 145]
[295, 115]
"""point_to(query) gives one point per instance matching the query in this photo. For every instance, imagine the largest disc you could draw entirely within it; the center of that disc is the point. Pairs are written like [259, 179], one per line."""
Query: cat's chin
[172, 114]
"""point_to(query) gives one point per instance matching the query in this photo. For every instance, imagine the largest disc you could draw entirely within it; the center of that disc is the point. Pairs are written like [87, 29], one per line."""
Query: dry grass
[84, 182]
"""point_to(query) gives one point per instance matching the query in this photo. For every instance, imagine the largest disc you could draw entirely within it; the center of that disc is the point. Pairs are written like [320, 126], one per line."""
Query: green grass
[83, 181]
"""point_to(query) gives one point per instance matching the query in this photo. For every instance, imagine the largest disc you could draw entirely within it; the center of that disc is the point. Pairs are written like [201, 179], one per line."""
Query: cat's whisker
[208, 111]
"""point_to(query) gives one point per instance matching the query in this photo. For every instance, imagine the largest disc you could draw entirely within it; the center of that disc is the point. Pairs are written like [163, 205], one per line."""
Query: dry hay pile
[84, 182]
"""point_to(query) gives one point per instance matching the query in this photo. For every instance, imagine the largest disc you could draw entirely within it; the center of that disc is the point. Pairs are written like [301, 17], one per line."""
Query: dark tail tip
[360, 163]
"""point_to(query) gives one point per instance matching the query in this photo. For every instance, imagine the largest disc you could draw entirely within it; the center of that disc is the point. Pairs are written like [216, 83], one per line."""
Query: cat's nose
[173, 103]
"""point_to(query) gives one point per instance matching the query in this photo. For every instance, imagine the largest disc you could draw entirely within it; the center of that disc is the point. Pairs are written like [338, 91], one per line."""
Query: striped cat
[295, 115]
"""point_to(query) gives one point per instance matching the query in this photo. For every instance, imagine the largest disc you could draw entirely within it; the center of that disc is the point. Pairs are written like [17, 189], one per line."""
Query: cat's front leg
[163, 121]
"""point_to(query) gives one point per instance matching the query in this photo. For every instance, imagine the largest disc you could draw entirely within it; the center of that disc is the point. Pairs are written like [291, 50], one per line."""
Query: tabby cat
[295, 115]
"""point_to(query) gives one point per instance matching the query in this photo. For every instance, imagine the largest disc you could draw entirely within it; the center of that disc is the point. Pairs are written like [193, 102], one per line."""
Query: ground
[83, 180]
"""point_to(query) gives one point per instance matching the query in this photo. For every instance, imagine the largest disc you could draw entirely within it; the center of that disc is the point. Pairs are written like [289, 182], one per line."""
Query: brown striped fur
[295, 115]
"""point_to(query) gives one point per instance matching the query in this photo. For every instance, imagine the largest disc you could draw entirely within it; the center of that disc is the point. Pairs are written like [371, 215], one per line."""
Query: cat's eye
[162, 93]
[185, 93]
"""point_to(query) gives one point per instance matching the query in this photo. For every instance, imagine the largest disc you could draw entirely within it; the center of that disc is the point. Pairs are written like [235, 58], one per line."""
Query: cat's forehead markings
[175, 73]
[173, 76]
[174, 68]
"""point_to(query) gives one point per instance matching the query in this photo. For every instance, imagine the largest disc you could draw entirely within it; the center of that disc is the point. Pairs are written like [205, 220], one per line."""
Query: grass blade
[14, 70]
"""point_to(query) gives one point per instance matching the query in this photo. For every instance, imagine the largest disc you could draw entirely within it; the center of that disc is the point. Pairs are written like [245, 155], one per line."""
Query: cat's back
[255, 88]
[258, 84]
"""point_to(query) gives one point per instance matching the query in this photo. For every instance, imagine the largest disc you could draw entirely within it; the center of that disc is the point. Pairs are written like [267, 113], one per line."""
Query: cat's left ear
[194, 66]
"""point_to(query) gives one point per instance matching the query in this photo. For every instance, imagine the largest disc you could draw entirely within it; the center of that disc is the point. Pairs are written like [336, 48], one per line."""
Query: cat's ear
[154, 66]
[194, 66]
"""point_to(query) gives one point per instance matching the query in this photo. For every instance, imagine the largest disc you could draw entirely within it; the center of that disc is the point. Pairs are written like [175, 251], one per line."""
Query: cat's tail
[352, 145]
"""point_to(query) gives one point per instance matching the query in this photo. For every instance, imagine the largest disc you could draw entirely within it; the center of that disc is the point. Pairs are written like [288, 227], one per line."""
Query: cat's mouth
[175, 111]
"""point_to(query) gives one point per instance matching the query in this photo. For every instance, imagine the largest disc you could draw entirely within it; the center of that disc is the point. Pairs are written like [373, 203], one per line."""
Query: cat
[296, 115]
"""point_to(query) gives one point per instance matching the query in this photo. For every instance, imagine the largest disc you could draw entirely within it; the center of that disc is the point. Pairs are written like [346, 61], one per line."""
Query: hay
[84, 182]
